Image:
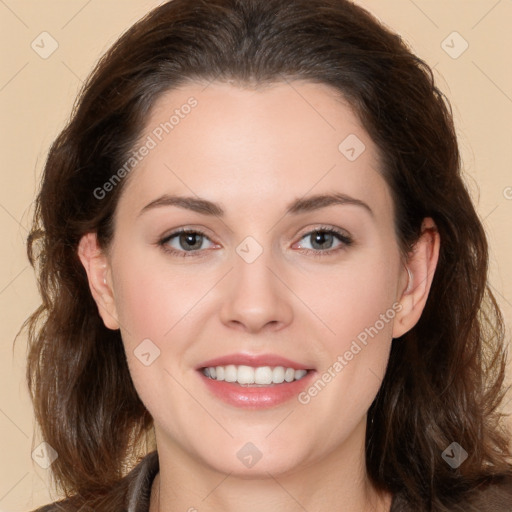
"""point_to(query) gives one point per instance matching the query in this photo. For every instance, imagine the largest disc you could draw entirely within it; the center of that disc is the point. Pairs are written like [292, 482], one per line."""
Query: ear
[422, 264]
[97, 267]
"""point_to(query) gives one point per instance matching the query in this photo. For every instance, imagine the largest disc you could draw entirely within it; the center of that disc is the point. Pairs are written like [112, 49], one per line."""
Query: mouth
[254, 376]
[255, 381]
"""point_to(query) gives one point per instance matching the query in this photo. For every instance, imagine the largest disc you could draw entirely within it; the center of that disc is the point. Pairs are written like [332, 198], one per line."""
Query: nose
[255, 297]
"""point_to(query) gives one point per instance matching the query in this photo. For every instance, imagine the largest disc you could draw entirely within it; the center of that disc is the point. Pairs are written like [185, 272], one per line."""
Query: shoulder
[130, 494]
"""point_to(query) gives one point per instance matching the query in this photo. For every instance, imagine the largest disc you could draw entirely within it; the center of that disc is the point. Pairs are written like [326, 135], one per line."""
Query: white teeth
[245, 375]
[262, 375]
[278, 375]
[230, 373]
[299, 374]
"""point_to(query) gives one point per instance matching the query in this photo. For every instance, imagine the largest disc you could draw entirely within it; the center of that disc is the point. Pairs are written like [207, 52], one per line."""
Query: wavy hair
[444, 381]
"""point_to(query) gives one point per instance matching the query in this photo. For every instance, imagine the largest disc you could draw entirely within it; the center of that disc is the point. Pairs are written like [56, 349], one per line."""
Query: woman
[254, 241]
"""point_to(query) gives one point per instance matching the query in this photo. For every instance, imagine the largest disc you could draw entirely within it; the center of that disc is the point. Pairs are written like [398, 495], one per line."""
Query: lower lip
[256, 397]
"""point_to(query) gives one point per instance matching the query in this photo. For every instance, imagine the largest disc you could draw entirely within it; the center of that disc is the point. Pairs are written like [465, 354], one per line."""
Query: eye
[324, 240]
[185, 241]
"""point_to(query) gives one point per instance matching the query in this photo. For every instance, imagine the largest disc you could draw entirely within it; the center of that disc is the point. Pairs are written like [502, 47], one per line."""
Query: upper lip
[254, 360]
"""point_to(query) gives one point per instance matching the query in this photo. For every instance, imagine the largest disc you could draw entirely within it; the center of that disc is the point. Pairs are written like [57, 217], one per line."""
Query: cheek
[157, 307]
[151, 298]
[359, 311]
[354, 349]
[153, 306]
[358, 304]
[355, 298]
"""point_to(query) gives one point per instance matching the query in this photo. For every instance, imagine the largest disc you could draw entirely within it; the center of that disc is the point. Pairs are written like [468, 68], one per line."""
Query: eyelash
[346, 241]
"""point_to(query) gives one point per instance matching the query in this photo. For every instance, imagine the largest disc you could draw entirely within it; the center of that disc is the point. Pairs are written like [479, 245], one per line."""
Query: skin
[253, 152]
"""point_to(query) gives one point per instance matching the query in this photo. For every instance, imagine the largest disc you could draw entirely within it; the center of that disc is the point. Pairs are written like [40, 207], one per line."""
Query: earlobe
[420, 267]
[97, 268]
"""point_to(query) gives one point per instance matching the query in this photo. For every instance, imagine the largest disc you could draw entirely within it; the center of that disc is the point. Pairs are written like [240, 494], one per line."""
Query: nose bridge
[252, 267]
[255, 297]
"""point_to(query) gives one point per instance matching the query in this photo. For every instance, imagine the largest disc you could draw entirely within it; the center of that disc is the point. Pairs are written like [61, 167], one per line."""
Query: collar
[139, 488]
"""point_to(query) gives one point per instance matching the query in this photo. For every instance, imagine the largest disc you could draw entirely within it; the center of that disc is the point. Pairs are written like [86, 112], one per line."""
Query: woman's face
[291, 261]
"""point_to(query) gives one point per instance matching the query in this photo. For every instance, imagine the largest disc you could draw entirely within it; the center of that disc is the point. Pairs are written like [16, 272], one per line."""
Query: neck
[337, 482]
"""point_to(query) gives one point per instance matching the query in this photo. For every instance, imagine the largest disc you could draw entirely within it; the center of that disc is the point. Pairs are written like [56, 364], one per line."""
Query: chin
[273, 463]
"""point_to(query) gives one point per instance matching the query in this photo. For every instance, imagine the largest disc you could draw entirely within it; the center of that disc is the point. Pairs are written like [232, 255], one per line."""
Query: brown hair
[444, 378]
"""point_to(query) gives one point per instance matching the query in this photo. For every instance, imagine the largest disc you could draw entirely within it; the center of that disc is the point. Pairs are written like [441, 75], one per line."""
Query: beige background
[36, 96]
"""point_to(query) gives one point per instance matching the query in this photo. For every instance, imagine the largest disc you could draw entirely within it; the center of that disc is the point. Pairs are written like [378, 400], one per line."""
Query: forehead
[246, 146]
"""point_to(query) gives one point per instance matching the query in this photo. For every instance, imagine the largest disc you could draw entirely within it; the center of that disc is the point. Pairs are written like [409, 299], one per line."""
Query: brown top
[133, 494]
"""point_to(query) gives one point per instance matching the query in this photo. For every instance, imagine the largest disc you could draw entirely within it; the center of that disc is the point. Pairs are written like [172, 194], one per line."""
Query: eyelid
[324, 228]
[189, 228]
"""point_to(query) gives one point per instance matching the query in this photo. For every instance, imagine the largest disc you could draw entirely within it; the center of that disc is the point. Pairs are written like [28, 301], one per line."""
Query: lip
[254, 360]
[256, 397]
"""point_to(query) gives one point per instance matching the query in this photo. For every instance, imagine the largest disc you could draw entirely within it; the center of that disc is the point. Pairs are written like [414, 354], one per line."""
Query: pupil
[190, 240]
[321, 238]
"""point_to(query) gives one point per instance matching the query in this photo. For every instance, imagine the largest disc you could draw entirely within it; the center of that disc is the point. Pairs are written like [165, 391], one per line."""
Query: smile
[257, 376]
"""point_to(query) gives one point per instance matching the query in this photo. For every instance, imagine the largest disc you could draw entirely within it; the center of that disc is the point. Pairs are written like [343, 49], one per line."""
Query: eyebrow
[298, 206]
